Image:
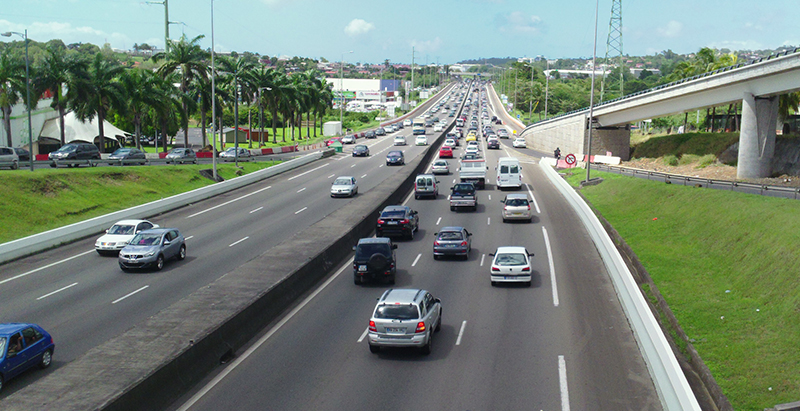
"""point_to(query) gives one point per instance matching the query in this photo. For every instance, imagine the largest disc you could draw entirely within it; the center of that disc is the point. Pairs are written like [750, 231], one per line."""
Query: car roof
[375, 240]
[130, 222]
[396, 208]
[7, 329]
[510, 196]
[394, 152]
[403, 295]
[511, 250]
[343, 177]
[157, 230]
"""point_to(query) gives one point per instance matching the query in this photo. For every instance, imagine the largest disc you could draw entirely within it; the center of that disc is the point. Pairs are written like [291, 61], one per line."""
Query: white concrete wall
[566, 134]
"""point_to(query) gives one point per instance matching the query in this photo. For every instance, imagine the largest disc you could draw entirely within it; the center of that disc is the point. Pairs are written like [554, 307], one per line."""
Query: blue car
[23, 346]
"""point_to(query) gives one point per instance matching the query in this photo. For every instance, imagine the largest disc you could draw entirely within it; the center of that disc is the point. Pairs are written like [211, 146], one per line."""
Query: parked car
[426, 185]
[380, 131]
[74, 151]
[375, 260]
[397, 220]
[421, 140]
[24, 155]
[231, 153]
[349, 139]
[511, 264]
[344, 186]
[440, 167]
[118, 236]
[395, 158]
[151, 248]
[516, 207]
[183, 155]
[449, 241]
[405, 318]
[22, 347]
[127, 156]
[400, 140]
[360, 151]
[9, 158]
[519, 142]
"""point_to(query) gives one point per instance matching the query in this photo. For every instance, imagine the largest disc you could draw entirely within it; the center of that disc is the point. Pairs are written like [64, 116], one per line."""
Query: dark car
[369, 134]
[395, 158]
[127, 156]
[361, 151]
[74, 151]
[24, 155]
[23, 346]
[380, 131]
[374, 260]
[151, 248]
[493, 143]
[397, 220]
[181, 155]
[455, 241]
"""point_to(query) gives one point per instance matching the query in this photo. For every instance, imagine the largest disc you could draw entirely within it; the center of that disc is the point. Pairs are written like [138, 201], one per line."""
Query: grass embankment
[47, 199]
[727, 265]
[678, 145]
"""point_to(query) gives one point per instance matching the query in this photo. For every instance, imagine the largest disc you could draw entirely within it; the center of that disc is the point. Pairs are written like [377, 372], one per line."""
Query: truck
[463, 195]
[473, 171]
[418, 127]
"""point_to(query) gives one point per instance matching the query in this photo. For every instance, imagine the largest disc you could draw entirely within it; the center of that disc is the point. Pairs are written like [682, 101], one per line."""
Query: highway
[84, 299]
[564, 343]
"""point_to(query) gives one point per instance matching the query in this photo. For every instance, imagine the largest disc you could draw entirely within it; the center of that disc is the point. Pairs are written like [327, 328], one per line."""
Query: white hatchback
[400, 140]
[519, 142]
[511, 265]
[438, 127]
[118, 236]
[421, 140]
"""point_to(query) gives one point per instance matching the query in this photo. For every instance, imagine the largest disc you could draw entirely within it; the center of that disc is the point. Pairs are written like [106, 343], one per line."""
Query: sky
[440, 31]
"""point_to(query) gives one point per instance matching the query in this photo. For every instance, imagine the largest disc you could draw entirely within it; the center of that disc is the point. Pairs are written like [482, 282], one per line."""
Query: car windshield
[510, 259]
[397, 312]
[393, 214]
[394, 154]
[68, 149]
[342, 182]
[121, 229]
[177, 151]
[121, 151]
[146, 239]
[361, 147]
[517, 202]
[2, 344]
[440, 163]
[364, 251]
[451, 235]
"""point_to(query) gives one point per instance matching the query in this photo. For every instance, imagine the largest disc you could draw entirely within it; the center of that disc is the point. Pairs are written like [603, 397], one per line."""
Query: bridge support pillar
[757, 137]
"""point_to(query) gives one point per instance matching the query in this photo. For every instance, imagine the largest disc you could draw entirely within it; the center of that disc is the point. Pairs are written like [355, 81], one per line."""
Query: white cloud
[672, 29]
[519, 22]
[45, 31]
[737, 45]
[427, 46]
[357, 27]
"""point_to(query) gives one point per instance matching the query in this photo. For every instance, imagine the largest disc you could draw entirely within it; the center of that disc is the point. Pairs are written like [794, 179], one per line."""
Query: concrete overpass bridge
[757, 84]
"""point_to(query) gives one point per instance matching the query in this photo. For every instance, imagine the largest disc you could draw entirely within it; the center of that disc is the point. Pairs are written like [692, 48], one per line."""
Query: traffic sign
[570, 159]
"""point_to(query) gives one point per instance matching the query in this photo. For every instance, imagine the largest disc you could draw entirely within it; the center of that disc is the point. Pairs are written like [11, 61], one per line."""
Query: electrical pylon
[614, 45]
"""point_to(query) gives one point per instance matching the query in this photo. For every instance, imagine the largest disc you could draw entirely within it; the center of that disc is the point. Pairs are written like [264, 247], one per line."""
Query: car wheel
[494, 283]
[159, 262]
[416, 197]
[505, 221]
[426, 349]
[14, 166]
[195, 161]
[1, 383]
[452, 208]
[435, 257]
[410, 235]
[182, 252]
[374, 349]
[47, 359]
[391, 280]
[122, 267]
[357, 280]
[439, 324]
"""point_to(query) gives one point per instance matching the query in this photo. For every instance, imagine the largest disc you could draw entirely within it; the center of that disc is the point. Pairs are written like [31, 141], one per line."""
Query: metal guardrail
[749, 188]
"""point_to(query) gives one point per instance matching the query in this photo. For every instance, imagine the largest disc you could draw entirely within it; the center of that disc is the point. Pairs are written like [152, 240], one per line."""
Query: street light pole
[591, 95]
[546, 87]
[341, 91]
[213, 101]
[261, 114]
[27, 89]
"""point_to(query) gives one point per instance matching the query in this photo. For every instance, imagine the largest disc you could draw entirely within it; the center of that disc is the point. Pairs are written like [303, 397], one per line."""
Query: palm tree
[188, 58]
[56, 71]
[166, 112]
[238, 74]
[97, 90]
[12, 82]
[281, 91]
[142, 91]
[201, 92]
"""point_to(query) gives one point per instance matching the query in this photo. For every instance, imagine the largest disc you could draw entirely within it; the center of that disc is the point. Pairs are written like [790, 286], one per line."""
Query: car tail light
[529, 207]
[372, 326]
[526, 268]
[405, 221]
[380, 221]
[505, 207]
[463, 243]
[436, 243]
[495, 269]
[420, 327]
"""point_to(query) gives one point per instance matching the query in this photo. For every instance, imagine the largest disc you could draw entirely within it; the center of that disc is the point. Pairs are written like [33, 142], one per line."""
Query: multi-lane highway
[84, 299]
[563, 343]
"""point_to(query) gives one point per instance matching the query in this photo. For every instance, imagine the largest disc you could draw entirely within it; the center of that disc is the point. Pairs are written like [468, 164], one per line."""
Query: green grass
[681, 144]
[51, 198]
[726, 263]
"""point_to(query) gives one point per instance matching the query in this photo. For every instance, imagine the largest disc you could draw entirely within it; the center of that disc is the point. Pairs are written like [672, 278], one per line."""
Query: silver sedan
[344, 186]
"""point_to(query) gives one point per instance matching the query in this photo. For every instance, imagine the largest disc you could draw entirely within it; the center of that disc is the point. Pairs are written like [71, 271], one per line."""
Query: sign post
[570, 159]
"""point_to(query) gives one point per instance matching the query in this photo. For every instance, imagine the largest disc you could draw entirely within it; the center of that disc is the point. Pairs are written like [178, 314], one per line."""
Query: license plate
[391, 222]
[451, 246]
[394, 330]
[362, 268]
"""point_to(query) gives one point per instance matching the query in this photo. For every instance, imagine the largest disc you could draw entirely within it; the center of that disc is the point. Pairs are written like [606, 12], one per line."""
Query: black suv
[75, 151]
[374, 260]
[397, 220]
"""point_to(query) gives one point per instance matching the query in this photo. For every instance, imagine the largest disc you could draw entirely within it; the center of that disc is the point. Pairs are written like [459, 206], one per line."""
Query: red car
[446, 152]
[329, 142]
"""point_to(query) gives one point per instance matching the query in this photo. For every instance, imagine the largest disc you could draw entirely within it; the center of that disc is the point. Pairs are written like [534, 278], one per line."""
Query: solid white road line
[364, 335]
[415, 260]
[562, 380]
[228, 202]
[310, 171]
[240, 359]
[189, 237]
[300, 210]
[552, 267]
[257, 209]
[439, 221]
[482, 257]
[128, 295]
[534, 199]
[461, 332]
[239, 241]
[301, 190]
[45, 267]
[57, 291]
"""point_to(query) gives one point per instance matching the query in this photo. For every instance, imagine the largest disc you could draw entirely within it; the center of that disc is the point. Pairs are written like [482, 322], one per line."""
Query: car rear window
[510, 259]
[450, 235]
[516, 202]
[463, 188]
[397, 312]
[393, 214]
[365, 251]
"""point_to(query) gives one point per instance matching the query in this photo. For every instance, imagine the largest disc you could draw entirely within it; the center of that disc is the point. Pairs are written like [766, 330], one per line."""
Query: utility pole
[165, 3]
[591, 95]
[614, 45]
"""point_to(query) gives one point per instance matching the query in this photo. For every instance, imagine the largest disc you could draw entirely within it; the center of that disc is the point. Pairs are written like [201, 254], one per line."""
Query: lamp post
[546, 87]
[341, 91]
[261, 114]
[27, 89]
[591, 95]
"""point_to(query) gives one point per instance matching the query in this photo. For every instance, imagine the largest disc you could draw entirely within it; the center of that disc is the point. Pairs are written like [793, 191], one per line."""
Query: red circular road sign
[570, 159]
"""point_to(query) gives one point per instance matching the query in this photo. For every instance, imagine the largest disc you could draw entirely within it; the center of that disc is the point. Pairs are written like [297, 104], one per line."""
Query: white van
[509, 173]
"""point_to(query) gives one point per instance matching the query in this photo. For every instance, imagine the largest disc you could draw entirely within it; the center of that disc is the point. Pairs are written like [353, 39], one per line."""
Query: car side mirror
[394, 246]
[106, 231]
[354, 248]
[491, 254]
[167, 242]
[530, 254]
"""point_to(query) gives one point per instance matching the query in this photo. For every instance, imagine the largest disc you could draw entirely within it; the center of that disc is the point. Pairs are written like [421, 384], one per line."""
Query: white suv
[405, 318]
[9, 158]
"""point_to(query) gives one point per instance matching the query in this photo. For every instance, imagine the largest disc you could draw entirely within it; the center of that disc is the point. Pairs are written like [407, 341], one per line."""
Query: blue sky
[446, 31]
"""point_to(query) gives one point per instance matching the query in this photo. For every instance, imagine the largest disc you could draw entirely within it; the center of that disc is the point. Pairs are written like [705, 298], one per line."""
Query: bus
[418, 126]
